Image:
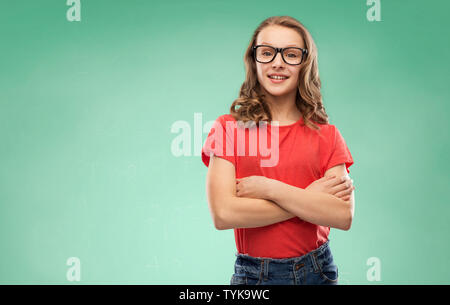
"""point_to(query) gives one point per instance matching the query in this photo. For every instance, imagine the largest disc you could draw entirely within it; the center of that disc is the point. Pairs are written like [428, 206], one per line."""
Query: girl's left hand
[253, 187]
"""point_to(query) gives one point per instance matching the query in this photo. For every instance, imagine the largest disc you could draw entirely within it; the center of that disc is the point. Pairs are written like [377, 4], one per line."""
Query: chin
[277, 92]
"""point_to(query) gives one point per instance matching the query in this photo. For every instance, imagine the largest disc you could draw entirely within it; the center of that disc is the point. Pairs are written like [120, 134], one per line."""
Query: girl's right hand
[341, 187]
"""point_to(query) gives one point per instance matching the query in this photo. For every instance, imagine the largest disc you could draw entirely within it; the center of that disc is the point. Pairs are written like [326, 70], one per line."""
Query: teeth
[277, 77]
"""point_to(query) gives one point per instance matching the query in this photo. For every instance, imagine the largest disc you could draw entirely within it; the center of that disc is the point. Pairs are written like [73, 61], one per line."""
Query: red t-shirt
[304, 156]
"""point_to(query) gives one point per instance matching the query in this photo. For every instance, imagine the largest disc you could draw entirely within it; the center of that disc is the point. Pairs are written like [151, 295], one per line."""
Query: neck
[283, 108]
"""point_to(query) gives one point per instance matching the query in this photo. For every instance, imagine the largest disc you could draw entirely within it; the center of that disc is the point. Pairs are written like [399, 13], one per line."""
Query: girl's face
[279, 37]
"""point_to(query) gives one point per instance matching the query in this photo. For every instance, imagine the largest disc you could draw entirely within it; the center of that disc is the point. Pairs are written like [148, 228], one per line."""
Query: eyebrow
[289, 45]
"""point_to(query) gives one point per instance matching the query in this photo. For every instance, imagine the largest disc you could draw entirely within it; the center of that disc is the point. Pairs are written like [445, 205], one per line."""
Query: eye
[293, 53]
[266, 52]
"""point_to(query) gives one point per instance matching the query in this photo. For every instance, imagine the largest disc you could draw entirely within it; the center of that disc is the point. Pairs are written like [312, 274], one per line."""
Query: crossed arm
[281, 202]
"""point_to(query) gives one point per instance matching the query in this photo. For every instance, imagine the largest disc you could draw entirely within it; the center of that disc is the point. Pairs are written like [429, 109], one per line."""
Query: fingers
[345, 183]
[341, 186]
[337, 181]
[238, 192]
[329, 181]
[345, 193]
[346, 198]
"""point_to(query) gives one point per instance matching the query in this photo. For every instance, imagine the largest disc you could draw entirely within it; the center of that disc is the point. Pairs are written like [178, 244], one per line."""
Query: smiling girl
[281, 214]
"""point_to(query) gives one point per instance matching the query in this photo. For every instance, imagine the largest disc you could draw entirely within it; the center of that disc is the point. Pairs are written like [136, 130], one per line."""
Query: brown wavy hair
[251, 106]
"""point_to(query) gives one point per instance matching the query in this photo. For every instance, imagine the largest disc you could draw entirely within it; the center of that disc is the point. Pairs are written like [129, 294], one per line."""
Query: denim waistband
[283, 265]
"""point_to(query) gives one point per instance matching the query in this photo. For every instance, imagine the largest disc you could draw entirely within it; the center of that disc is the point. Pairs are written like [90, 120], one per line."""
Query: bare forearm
[314, 207]
[241, 212]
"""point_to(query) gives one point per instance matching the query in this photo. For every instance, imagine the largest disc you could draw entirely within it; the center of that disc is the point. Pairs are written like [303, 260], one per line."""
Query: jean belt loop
[266, 269]
[315, 262]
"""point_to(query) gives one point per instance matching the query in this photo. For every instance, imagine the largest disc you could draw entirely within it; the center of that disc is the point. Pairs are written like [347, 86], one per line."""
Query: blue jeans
[314, 268]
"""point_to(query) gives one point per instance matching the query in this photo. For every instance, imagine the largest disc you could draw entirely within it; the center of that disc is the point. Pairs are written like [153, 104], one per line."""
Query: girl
[282, 213]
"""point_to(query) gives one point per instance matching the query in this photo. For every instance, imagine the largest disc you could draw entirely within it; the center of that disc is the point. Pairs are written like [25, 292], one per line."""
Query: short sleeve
[220, 141]
[334, 150]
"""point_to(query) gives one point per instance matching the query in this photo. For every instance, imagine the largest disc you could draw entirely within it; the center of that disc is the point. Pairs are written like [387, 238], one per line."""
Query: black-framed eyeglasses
[291, 55]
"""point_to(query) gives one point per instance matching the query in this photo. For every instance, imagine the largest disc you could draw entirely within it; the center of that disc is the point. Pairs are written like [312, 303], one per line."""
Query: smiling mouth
[278, 77]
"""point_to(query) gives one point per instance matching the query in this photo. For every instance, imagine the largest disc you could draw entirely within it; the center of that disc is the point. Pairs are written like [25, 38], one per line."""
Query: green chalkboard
[91, 190]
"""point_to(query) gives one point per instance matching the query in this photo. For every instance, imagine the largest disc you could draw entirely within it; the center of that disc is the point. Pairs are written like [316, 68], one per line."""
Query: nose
[278, 60]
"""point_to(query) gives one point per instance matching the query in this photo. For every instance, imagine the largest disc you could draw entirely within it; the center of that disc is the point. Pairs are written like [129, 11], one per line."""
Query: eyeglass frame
[279, 50]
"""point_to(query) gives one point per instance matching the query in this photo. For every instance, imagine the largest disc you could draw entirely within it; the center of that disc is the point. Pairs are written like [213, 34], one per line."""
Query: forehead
[280, 36]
